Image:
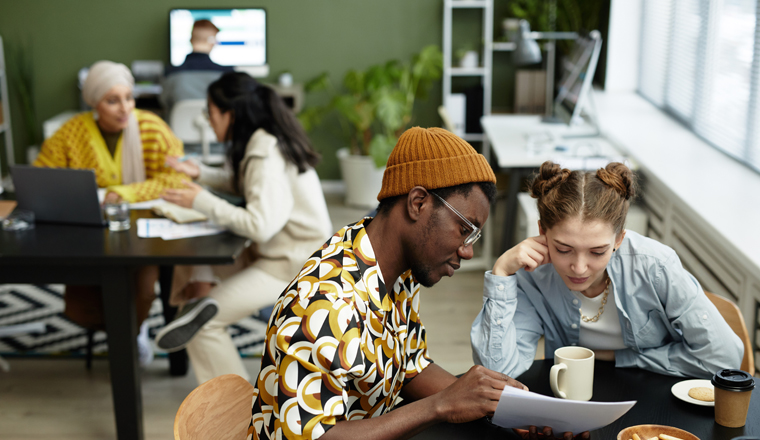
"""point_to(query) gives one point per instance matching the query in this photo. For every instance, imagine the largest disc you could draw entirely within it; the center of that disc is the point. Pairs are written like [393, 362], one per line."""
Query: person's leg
[196, 307]
[144, 296]
[212, 352]
[145, 291]
[84, 306]
[191, 282]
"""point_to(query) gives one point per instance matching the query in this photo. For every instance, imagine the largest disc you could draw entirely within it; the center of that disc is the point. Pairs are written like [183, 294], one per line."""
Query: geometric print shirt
[339, 345]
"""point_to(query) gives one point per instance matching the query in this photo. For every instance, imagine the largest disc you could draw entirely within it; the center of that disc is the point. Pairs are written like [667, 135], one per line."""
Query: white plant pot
[363, 179]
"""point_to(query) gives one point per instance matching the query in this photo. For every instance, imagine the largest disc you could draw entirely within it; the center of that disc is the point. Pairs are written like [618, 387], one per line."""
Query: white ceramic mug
[572, 376]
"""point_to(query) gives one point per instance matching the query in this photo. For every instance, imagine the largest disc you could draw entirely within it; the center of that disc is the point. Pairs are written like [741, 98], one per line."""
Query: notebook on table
[179, 214]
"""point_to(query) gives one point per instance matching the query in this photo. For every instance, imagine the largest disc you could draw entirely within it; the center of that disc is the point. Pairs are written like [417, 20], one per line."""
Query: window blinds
[700, 63]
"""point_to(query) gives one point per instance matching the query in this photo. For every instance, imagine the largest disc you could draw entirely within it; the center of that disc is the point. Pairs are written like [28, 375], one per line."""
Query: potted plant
[22, 71]
[373, 108]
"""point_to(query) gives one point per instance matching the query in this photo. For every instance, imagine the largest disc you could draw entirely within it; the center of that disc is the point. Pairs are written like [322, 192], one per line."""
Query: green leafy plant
[20, 66]
[571, 15]
[374, 106]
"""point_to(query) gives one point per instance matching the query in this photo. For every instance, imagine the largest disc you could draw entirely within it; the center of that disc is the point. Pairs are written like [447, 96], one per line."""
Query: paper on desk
[522, 409]
[169, 230]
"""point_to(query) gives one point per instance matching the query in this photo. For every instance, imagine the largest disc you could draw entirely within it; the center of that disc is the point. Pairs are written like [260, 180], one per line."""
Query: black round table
[656, 405]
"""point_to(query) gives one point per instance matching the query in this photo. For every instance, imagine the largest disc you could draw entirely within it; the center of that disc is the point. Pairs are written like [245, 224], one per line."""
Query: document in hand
[521, 409]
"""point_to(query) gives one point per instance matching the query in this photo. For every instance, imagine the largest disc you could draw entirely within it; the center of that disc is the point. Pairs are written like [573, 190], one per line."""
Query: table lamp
[527, 52]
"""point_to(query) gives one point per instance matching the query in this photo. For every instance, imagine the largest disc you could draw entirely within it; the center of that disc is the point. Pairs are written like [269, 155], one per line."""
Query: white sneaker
[176, 334]
[144, 349]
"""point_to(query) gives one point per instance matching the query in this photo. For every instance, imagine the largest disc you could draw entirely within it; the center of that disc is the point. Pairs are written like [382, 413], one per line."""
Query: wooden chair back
[733, 317]
[219, 408]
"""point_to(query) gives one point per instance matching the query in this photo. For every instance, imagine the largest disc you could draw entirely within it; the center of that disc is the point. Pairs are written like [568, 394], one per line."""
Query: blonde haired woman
[127, 149]
[587, 281]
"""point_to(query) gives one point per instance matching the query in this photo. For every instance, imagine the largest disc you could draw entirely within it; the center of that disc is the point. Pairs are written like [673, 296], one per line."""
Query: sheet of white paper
[168, 230]
[148, 204]
[152, 227]
[522, 409]
[187, 230]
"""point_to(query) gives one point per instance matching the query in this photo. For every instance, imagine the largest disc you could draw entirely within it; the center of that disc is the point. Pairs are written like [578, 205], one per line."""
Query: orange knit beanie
[432, 158]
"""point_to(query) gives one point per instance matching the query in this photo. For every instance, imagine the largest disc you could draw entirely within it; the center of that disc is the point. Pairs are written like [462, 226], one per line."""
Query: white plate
[681, 390]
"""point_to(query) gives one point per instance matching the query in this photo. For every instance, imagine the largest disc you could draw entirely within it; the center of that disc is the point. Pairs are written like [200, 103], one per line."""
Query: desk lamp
[527, 52]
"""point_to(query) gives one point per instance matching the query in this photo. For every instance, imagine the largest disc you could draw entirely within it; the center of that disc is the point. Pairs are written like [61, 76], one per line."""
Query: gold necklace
[601, 309]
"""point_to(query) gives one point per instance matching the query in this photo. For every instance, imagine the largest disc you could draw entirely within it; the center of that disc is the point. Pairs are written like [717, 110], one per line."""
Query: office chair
[219, 408]
[191, 127]
[733, 316]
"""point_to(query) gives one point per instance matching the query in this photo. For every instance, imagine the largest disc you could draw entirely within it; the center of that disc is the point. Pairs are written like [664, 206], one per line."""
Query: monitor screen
[241, 40]
[577, 70]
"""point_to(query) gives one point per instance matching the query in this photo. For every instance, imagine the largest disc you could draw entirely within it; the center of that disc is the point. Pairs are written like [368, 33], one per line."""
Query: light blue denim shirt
[669, 325]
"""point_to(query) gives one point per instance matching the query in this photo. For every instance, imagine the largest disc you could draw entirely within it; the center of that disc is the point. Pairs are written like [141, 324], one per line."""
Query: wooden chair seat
[217, 409]
[735, 320]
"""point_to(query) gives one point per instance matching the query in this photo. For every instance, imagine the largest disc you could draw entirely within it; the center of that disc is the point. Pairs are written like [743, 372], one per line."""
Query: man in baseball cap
[345, 339]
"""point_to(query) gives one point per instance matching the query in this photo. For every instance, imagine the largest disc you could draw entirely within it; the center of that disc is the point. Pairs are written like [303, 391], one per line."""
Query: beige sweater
[285, 212]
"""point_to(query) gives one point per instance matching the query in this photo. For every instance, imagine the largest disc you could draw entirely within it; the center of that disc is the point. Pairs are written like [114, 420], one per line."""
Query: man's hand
[183, 197]
[534, 434]
[473, 396]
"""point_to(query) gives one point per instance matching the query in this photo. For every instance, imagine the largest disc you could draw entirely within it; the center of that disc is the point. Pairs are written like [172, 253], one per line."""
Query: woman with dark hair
[270, 163]
[587, 281]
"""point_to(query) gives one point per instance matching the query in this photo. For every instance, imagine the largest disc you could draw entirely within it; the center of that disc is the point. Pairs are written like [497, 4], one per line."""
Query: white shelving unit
[5, 126]
[485, 72]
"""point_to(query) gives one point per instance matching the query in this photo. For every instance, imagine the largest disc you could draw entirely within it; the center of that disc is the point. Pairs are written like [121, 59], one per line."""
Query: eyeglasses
[205, 113]
[475, 234]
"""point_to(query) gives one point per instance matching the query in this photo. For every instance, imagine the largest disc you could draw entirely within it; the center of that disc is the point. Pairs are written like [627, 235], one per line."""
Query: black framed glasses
[476, 231]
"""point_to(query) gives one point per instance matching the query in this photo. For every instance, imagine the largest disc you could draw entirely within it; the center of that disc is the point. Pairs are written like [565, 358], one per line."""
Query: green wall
[305, 37]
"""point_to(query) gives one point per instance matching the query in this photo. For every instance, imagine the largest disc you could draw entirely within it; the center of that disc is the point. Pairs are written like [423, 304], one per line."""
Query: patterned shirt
[339, 345]
[78, 144]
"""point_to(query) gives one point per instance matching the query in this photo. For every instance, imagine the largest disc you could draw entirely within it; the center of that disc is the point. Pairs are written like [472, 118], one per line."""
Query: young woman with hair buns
[587, 281]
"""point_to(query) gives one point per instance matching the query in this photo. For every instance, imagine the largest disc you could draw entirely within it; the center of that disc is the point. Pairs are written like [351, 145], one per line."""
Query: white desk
[522, 143]
[511, 137]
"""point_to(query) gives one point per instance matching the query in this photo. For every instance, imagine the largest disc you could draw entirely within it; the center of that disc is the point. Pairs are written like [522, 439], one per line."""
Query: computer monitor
[578, 68]
[241, 41]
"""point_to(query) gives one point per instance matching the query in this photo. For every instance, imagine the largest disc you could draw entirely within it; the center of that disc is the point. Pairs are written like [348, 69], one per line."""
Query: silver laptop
[58, 195]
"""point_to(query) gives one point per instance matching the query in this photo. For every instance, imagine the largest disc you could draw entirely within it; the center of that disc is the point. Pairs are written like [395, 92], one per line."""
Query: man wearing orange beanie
[345, 339]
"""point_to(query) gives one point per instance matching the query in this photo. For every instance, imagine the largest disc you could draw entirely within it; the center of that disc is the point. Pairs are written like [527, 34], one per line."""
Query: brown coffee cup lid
[733, 380]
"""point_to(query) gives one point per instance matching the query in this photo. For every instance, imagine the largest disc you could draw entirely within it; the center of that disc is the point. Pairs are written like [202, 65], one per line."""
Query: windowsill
[716, 187]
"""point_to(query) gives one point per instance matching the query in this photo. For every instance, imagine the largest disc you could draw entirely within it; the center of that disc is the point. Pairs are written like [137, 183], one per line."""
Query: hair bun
[550, 176]
[620, 178]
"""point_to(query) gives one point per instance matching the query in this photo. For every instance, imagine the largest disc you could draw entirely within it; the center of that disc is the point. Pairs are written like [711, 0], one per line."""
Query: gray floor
[58, 398]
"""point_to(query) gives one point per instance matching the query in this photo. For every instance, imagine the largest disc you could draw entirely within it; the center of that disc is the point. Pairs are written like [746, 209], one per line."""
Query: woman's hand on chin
[529, 254]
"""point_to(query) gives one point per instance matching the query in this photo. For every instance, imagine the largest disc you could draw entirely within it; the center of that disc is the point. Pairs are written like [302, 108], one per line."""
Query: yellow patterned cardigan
[78, 144]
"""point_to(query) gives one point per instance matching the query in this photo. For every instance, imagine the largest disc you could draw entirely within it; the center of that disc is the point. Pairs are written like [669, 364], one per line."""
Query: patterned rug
[24, 303]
